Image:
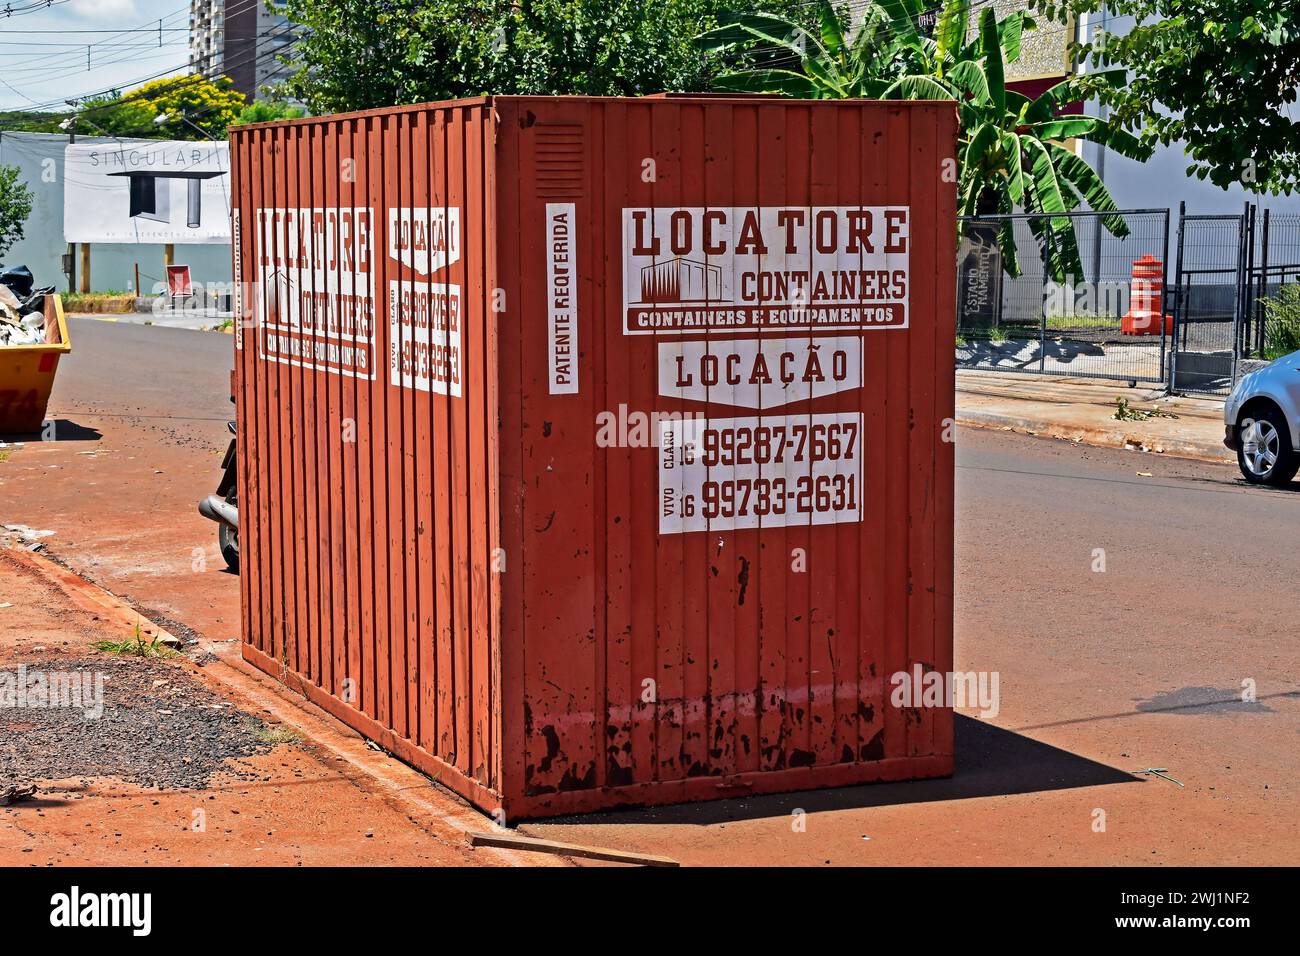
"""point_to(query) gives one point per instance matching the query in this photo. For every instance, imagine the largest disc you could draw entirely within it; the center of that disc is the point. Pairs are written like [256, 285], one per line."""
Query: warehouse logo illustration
[424, 318]
[681, 280]
[693, 269]
[317, 288]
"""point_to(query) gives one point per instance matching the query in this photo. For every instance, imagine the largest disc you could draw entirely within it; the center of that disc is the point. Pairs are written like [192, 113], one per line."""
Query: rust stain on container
[592, 449]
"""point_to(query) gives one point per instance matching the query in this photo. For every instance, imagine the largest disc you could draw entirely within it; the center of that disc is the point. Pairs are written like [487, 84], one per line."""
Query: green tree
[1220, 75]
[1282, 321]
[15, 207]
[1009, 151]
[210, 105]
[359, 54]
[31, 121]
[266, 111]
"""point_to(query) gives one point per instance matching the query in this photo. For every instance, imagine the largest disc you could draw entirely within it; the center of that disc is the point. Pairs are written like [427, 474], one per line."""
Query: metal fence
[1089, 326]
[1272, 314]
[1208, 292]
[1230, 296]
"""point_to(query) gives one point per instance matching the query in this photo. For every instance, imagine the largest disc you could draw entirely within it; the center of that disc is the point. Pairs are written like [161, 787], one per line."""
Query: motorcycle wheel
[229, 539]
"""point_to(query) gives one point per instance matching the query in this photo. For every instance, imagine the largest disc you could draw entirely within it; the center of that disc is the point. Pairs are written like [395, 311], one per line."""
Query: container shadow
[991, 762]
[60, 429]
[38, 803]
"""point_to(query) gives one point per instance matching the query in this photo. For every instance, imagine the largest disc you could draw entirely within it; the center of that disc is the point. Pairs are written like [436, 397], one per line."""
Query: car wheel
[1264, 451]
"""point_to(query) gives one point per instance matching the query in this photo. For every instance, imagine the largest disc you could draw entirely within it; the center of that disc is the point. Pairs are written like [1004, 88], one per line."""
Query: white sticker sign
[317, 287]
[760, 373]
[237, 293]
[424, 239]
[774, 471]
[692, 269]
[424, 323]
[561, 299]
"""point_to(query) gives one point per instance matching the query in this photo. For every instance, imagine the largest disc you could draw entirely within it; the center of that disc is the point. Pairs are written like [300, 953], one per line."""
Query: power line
[10, 10]
[62, 60]
[33, 74]
[117, 43]
[55, 104]
[155, 27]
[28, 44]
[240, 7]
[180, 84]
[108, 46]
[289, 32]
[232, 8]
[153, 30]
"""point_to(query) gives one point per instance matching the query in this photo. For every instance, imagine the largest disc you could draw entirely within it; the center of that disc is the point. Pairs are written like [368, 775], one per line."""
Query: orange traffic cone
[1146, 298]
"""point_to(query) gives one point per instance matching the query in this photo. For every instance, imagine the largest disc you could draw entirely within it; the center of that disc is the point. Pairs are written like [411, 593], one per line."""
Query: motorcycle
[223, 507]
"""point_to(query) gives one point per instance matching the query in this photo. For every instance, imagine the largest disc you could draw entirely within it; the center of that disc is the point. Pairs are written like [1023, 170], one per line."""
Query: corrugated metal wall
[366, 466]
[769, 648]
[462, 568]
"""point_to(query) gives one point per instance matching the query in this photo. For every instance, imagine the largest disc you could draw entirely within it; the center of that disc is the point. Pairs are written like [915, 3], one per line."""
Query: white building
[1162, 181]
[207, 36]
[40, 161]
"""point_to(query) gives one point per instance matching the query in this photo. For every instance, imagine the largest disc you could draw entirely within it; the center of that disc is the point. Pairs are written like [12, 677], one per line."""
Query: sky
[43, 48]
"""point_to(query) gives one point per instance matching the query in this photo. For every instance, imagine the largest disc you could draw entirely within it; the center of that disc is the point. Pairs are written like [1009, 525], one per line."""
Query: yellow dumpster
[27, 374]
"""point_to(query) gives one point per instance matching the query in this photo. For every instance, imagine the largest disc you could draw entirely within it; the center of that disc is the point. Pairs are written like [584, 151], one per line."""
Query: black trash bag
[19, 279]
[36, 301]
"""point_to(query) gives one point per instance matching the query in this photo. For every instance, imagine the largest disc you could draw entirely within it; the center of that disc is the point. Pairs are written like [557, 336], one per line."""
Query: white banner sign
[424, 336]
[316, 293]
[768, 472]
[760, 373]
[156, 192]
[693, 269]
[561, 298]
[424, 239]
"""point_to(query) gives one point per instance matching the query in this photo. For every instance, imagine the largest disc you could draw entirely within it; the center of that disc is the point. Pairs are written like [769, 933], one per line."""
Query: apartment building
[242, 39]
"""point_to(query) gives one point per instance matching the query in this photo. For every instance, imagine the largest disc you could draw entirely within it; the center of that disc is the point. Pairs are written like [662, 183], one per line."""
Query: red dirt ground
[304, 807]
[1102, 674]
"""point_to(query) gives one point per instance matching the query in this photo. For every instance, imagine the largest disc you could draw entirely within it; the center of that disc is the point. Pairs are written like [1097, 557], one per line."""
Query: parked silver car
[1261, 421]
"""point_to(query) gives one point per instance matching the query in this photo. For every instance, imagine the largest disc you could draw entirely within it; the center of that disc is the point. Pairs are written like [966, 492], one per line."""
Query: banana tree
[1009, 146]
[832, 65]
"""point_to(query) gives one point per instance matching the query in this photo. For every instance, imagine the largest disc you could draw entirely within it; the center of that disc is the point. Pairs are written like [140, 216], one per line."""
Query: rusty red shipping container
[592, 450]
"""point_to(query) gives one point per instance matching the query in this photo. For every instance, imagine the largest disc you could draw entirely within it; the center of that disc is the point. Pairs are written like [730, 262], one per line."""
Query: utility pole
[71, 258]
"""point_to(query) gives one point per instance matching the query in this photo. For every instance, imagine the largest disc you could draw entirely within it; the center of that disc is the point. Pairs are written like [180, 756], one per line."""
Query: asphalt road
[139, 420]
[1102, 672]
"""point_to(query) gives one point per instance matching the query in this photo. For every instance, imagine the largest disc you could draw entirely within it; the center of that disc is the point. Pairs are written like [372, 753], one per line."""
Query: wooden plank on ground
[513, 841]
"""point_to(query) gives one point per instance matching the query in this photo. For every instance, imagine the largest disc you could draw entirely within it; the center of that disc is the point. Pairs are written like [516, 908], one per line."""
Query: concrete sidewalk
[193, 320]
[1083, 410]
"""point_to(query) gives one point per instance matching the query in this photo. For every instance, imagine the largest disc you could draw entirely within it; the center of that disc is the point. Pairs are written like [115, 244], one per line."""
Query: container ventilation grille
[558, 158]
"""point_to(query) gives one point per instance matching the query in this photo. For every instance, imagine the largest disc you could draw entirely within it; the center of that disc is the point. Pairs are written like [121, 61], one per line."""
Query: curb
[103, 605]
[1102, 437]
[188, 324]
[430, 807]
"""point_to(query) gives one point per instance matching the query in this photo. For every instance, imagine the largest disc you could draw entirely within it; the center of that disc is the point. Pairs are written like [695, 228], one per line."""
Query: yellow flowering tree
[195, 107]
